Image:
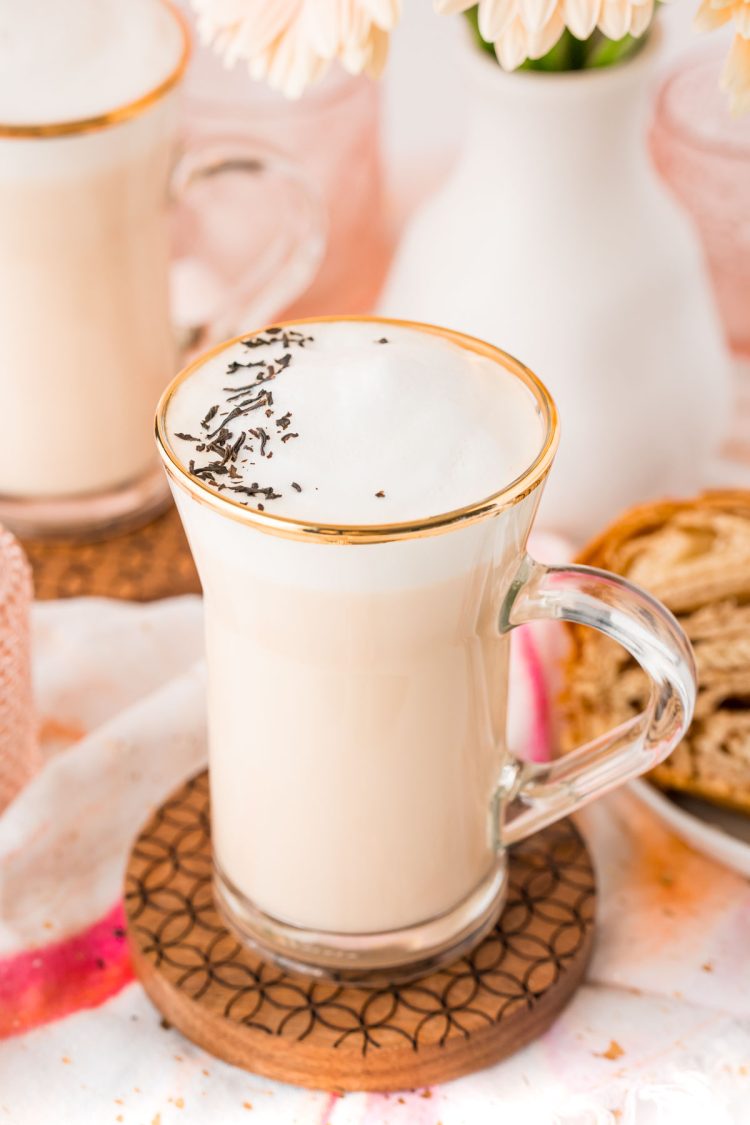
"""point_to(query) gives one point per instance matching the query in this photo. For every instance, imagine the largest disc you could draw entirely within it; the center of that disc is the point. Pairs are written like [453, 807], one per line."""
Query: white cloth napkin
[659, 1033]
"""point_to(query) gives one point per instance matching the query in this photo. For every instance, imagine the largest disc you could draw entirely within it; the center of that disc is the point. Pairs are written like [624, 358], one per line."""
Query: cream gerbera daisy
[736, 76]
[290, 43]
[528, 29]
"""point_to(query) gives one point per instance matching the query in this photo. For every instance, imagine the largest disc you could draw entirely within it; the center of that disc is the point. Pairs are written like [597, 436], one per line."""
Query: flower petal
[614, 18]
[581, 16]
[450, 7]
[495, 17]
[293, 64]
[385, 14]
[742, 20]
[736, 76]
[545, 40]
[321, 24]
[379, 43]
[511, 47]
[707, 18]
[641, 17]
[259, 28]
[536, 13]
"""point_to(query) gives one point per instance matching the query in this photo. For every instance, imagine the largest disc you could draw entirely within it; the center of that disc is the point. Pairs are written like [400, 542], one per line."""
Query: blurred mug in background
[333, 133]
[87, 180]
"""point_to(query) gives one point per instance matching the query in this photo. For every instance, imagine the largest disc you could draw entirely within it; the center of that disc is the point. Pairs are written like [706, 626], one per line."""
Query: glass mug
[333, 132]
[85, 252]
[363, 798]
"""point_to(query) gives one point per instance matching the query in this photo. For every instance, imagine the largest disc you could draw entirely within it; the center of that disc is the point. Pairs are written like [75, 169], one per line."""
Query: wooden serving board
[150, 562]
[337, 1037]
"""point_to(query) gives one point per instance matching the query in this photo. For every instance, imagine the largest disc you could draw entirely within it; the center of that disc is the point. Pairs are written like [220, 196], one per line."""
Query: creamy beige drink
[85, 339]
[358, 495]
[356, 692]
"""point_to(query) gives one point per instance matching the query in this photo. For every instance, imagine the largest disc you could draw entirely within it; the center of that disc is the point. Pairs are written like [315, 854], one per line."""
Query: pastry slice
[695, 557]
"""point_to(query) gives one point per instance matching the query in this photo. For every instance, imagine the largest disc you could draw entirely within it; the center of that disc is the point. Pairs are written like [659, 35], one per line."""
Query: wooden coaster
[328, 1036]
[141, 565]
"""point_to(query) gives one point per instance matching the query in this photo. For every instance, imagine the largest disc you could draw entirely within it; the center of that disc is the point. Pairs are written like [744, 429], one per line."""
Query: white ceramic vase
[554, 239]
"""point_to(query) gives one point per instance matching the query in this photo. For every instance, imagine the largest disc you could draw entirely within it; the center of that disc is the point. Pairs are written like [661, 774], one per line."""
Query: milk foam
[356, 411]
[60, 61]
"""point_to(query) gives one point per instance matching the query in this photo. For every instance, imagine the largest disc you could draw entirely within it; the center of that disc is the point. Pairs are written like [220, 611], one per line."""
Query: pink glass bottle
[703, 154]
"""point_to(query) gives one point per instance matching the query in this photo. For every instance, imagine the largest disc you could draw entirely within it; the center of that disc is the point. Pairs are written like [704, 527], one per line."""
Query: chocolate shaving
[288, 437]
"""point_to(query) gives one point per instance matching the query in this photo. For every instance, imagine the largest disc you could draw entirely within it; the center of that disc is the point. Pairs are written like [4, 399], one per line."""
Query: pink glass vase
[19, 751]
[332, 133]
[703, 154]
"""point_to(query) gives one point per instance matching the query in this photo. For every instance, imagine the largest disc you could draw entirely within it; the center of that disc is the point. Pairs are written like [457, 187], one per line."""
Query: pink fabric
[49, 983]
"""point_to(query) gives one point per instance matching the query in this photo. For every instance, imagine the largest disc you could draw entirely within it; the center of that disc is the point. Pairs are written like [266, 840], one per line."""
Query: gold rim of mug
[288, 528]
[120, 113]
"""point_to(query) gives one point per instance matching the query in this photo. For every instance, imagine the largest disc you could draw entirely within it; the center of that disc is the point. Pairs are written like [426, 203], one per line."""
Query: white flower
[291, 43]
[736, 76]
[528, 29]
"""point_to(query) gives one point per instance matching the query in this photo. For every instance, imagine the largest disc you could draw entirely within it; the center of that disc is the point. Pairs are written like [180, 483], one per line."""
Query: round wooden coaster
[150, 562]
[327, 1036]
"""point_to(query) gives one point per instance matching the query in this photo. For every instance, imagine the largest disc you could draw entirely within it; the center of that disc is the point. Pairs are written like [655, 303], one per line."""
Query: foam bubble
[61, 61]
[428, 424]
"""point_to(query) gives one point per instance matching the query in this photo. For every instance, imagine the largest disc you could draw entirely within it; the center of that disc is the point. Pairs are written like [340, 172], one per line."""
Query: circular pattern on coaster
[337, 1037]
[153, 561]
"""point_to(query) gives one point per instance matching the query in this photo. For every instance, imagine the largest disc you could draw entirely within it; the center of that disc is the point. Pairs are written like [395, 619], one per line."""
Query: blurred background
[593, 220]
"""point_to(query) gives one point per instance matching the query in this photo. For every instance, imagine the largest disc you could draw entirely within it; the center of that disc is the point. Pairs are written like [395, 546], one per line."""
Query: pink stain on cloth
[49, 983]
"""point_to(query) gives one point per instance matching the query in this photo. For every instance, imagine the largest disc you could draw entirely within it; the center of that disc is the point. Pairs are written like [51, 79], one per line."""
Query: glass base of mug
[368, 960]
[90, 516]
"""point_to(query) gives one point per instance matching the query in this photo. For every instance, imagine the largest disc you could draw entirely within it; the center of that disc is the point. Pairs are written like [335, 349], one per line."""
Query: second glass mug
[85, 251]
[363, 797]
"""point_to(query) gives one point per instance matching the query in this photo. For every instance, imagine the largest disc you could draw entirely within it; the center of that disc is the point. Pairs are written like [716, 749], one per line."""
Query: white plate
[720, 833]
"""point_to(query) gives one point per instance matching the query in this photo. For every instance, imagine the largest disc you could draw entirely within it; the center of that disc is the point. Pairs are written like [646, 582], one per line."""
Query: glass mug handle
[651, 635]
[279, 274]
